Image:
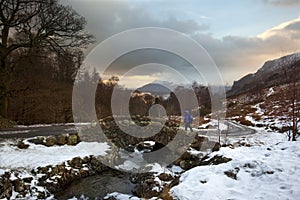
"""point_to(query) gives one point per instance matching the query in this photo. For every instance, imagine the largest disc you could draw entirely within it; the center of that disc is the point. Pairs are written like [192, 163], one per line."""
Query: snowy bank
[258, 172]
[12, 157]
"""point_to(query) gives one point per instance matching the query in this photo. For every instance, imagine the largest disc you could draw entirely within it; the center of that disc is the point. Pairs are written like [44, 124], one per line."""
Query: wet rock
[187, 161]
[144, 123]
[129, 148]
[174, 182]
[18, 185]
[42, 170]
[196, 145]
[216, 146]
[145, 184]
[22, 145]
[249, 165]
[55, 170]
[198, 142]
[97, 165]
[76, 162]
[41, 195]
[61, 167]
[165, 194]
[86, 160]
[84, 173]
[62, 139]
[144, 189]
[138, 178]
[202, 143]
[5, 186]
[185, 164]
[50, 141]
[73, 139]
[232, 173]
[38, 140]
[157, 146]
[146, 147]
[27, 179]
[216, 160]
[165, 177]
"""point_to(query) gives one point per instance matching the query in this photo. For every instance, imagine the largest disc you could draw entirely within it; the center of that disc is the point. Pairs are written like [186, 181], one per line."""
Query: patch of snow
[13, 177]
[151, 143]
[259, 110]
[14, 132]
[35, 126]
[249, 118]
[261, 137]
[261, 171]
[120, 196]
[270, 92]
[12, 157]
[58, 124]
[157, 168]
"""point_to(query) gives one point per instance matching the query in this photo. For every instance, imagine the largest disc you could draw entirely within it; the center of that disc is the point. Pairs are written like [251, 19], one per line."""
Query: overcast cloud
[235, 55]
[283, 2]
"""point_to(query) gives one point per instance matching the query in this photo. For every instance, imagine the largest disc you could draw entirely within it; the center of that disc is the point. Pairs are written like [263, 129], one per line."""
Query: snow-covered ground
[268, 168]
[11, 157]
[261, 137]
[269, 171]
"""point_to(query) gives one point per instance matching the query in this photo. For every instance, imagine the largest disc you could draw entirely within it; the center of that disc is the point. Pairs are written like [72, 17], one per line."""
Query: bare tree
[294, 102]
[28, 24]
[291, 72]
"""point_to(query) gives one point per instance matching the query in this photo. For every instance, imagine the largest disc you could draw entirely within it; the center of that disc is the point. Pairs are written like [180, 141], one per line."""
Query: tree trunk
[294, 98]
[4, 106]
[3, 97]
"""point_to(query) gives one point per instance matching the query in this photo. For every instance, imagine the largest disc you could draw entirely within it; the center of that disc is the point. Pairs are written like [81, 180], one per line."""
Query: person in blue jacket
[188, 119]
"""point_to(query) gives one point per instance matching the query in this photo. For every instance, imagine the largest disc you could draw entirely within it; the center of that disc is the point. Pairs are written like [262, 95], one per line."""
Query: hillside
[154, 88]
[270, 98]
[270, 107]
[273, 73]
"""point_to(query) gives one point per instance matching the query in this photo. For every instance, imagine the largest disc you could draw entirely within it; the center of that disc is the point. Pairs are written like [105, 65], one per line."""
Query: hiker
[188, 119]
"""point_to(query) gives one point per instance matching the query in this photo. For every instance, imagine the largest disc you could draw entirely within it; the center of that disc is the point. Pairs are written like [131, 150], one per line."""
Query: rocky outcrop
[203, 143]
[49, 141]
[6, 186]
[124, 140]
[56, 178]
[188, 161]
[275, 72]
[22, 145]
[147, 185]
[48, 180]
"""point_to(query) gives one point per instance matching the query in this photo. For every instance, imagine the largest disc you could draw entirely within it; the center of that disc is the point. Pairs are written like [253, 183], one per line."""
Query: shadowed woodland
[41, 49]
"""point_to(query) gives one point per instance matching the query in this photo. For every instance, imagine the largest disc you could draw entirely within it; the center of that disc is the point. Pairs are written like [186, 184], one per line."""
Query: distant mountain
[274, 72]
[155, 89]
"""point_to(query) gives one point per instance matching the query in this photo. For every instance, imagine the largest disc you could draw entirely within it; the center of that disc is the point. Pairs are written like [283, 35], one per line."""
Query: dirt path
[37, 130]
[235, 130]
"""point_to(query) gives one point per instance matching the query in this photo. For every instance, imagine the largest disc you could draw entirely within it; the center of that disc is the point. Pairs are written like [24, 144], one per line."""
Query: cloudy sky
[238, 35]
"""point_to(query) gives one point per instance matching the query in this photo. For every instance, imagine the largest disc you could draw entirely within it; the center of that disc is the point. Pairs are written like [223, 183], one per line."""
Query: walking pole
[219, 132]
